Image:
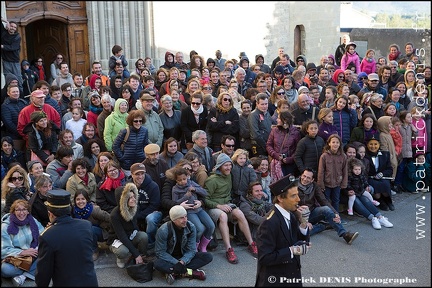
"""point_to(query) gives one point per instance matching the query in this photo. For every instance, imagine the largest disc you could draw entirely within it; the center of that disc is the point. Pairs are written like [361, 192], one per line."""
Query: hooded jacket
[124, 218]
[114, 123]
[386, 141]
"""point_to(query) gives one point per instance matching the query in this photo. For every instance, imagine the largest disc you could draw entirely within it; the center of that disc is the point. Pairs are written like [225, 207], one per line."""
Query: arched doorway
[46, 38]
[50, 27]
[299, 40]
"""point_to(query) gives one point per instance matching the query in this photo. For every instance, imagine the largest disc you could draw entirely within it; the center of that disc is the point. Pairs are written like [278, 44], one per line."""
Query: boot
[203, 244]
[389, 202]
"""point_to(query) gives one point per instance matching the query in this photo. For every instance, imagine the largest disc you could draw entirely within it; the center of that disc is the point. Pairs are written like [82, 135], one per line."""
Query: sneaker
[232, 258]
[393, 192]
[384, 222]
[253, 249]
[121, 263]
[18, 280]
[376, 203]
[349, 237]
[198, 274]
[169, 279]
[350, 212]
[376, 223]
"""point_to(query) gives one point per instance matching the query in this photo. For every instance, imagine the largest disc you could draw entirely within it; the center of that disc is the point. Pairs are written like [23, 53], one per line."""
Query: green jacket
[219, 189]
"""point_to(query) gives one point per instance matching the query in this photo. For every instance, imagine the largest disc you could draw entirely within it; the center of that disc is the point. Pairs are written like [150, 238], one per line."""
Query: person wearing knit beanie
[221, 159]
[37, 115]
[176, 212]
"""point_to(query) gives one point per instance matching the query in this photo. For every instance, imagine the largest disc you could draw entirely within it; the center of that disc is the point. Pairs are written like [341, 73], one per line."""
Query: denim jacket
[164, 247]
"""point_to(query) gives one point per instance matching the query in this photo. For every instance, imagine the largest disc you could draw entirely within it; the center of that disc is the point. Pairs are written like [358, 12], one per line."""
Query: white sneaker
[350, 212]
[121, 263]
[384, 222]
[376, 203]
[376, 223]
[393, 192]
[18, 280]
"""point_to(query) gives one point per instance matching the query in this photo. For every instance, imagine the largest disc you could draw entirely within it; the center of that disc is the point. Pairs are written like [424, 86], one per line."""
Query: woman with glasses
[102, 160]
[193, 118]
[115, 178]
[15, 186]
[38, 67]
[278, 93]
[55, 67]
[20, 234]
[222, 120]
[129, 144]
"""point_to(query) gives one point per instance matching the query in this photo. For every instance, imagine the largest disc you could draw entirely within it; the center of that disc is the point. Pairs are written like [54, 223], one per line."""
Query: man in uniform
[281, 239]
[65, 247]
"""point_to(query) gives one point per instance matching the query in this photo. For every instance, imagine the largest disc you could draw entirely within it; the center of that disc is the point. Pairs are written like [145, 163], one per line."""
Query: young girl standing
[332, 170]
[77, 122]
[351, 59]
[368, 64]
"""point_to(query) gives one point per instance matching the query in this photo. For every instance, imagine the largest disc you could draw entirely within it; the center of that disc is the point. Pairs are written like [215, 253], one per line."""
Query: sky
[231, 27]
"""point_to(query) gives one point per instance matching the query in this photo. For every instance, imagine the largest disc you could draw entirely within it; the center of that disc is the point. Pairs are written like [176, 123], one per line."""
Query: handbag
[140, 272]
[21, 262]
[34, 157]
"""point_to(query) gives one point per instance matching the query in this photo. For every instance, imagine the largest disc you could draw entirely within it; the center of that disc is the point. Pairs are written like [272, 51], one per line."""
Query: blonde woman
[15, 185]
[222, 120]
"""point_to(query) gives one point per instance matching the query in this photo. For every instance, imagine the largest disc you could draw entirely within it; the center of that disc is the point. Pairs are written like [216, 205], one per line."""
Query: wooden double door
[51, 27]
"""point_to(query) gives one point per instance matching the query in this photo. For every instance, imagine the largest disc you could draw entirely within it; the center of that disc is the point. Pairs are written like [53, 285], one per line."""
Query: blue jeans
[153, 220]
[97, 236]
[203, 223]
[327, 214]
[10, 271]
[365, 207]
[333, 195]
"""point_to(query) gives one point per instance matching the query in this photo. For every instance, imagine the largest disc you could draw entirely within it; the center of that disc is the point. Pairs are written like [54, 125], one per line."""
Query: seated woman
[84, 208]
[254, 206]
[199, 172]
[37, 201]
[20, 234]
[15, 186]
[380, 173]
[34, 169]
[9, 154]
[102, 159]
[92, 149]
[171, 153]
[42, 138]
[115, 178]
[82, 180]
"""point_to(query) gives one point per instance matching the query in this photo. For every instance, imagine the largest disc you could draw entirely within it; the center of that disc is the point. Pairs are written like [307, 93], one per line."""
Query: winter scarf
[29, 220]
[83, 213]
[111, 184]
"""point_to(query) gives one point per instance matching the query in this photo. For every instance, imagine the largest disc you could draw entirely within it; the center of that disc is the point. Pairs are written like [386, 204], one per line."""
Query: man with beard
[305, 110]
[155, 166]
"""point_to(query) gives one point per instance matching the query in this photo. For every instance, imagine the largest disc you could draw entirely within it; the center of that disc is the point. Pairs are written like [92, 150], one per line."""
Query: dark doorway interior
[46, 38]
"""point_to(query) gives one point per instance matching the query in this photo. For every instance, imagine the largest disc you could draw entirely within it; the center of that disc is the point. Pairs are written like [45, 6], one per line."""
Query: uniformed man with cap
[65, 247]
[281, 239]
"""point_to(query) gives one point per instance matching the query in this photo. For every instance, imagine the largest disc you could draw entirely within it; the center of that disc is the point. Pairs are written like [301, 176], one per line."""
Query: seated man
[176, 248]
[221, 210]
[148, 202]
[60, 170]
[310, 195]
[254, 206]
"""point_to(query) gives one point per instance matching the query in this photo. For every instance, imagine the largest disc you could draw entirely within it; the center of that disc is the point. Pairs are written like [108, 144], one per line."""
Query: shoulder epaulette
[270, 215]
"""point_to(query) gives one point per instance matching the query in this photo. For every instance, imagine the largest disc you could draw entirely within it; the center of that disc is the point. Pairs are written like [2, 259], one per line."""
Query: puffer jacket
[241, 177]
[9, 115]
[345, 122]
[348, 58]
[308, 152]
[133, 151]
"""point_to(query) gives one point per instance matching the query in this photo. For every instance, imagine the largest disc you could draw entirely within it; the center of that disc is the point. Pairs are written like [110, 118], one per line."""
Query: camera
[314, 79]
[284, 156]
[358, 106]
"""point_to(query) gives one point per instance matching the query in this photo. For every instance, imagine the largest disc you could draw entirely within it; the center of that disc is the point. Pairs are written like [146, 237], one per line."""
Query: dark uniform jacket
[274, 255]
[65, 254]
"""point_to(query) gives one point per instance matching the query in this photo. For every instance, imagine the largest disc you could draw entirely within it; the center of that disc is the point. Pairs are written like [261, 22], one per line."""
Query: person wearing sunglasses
[223, 120]
[193, 118]
[129, 144]
[15, 186]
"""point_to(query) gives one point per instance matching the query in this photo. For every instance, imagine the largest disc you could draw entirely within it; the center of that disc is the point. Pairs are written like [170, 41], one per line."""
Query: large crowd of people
[187, 143]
